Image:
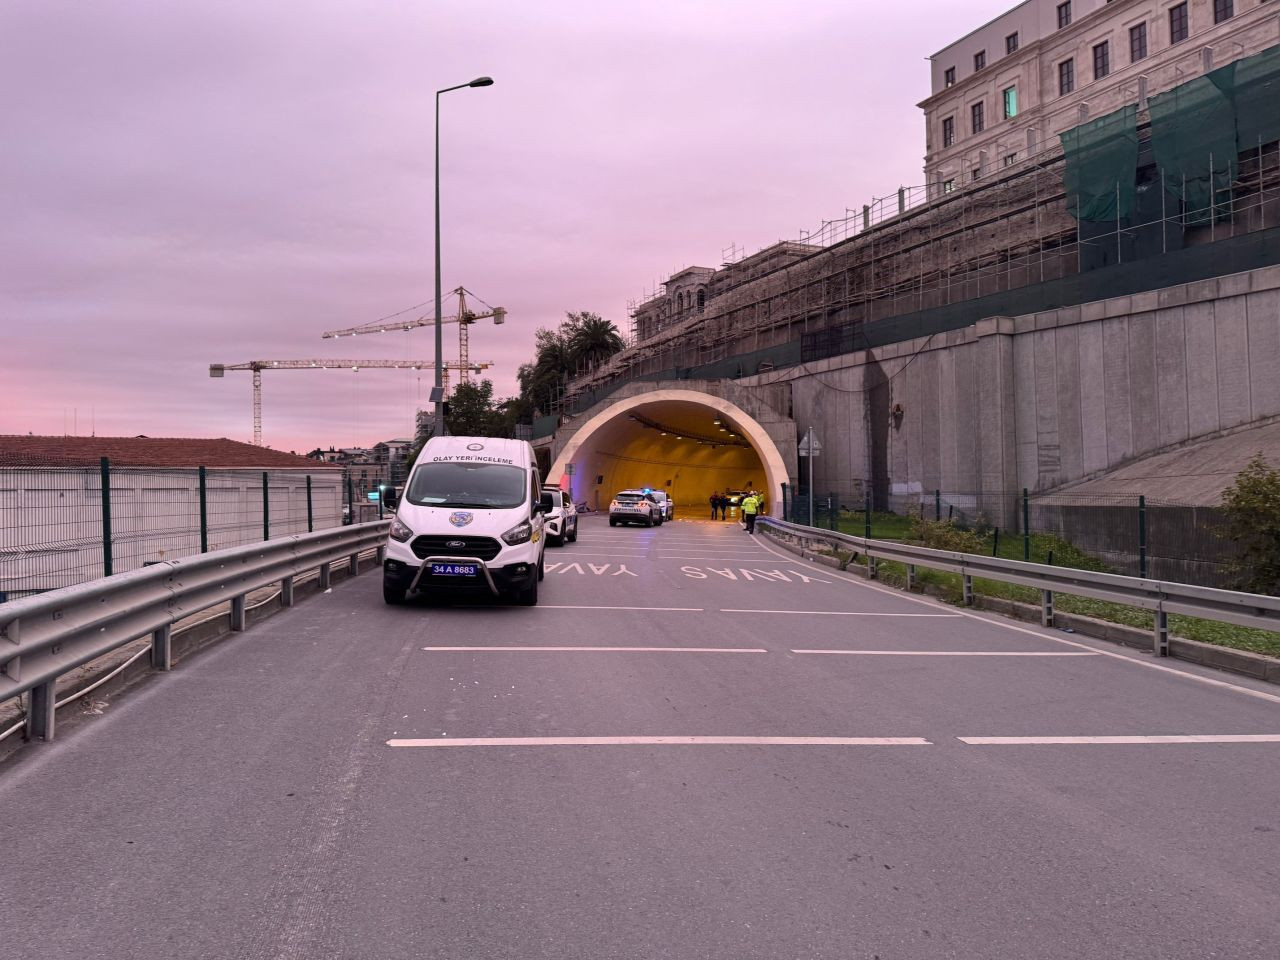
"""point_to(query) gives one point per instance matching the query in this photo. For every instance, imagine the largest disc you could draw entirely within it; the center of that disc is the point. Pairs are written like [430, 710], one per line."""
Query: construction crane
[257, 366]
[464, 318]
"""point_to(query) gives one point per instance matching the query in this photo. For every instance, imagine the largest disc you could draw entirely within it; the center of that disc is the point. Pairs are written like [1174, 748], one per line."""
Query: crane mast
[464, 318]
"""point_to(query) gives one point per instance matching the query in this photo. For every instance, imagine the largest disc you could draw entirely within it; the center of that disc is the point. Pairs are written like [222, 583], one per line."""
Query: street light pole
[439, 387]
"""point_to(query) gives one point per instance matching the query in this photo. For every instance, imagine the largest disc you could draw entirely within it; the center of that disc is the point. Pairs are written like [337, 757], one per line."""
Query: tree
[472, 412]
[1251, 508]
[591, 339]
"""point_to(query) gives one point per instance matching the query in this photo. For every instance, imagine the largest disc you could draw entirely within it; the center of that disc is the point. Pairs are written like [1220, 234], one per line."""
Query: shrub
[1251, 507]
[945, 535]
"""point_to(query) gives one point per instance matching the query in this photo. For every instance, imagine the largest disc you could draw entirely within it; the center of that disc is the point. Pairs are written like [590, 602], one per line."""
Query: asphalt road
[765, 760]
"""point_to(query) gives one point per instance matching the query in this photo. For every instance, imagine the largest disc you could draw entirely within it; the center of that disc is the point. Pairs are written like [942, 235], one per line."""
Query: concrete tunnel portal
[682, 441]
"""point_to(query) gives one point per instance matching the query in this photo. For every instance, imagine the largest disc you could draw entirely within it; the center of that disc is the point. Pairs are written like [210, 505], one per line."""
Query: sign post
[810, 447]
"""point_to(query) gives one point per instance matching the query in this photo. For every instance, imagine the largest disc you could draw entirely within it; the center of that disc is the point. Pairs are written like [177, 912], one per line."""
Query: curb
[1244, 662]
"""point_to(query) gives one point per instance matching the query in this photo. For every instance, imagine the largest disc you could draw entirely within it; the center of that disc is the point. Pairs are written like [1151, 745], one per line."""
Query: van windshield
[452, 484]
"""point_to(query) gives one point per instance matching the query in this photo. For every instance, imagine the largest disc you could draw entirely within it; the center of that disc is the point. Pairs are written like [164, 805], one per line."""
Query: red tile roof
[147, 452]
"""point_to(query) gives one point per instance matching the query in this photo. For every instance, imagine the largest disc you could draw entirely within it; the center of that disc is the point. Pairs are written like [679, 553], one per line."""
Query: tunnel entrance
[688, 443]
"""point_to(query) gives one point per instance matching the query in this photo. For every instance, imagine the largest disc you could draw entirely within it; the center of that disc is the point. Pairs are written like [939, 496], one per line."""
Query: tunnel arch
[615, 423]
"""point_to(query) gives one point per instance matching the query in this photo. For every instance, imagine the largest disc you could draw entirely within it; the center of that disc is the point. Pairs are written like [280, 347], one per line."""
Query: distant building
[51, 502]
[1004, 92]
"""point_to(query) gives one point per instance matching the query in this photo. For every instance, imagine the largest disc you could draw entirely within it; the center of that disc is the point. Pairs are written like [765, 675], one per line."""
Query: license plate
[454, 569]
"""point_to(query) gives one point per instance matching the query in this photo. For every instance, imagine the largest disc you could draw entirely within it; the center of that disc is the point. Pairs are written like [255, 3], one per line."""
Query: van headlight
[520, 533]
[399, 530]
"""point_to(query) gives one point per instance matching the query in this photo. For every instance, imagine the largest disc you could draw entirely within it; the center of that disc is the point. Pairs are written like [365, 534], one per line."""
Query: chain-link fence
[1129, 534]
[65, 524]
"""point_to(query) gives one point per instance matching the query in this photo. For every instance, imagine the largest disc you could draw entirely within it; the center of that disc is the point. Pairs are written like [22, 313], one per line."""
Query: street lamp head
[481, 82]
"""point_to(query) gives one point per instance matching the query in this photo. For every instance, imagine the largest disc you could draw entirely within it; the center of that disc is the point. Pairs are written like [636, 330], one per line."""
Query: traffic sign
[809, 446]
[568, 469]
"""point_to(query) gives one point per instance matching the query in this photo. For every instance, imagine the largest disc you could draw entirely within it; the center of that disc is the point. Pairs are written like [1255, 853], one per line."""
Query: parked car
[665, 504]
[634, 506]
[560, 517]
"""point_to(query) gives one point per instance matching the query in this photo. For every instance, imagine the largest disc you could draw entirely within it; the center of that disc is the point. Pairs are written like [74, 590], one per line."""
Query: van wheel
[392, 594]
[542, 568]
[528, 597]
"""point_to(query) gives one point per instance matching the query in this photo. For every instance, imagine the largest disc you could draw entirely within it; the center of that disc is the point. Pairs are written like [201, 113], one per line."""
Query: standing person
[750, 507]
[715, 502]
[724, 506]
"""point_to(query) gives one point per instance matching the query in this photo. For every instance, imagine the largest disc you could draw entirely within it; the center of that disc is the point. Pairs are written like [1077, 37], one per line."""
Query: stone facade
[1098, 29]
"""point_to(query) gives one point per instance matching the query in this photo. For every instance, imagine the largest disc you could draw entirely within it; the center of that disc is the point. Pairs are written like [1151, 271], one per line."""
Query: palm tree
[591, 338]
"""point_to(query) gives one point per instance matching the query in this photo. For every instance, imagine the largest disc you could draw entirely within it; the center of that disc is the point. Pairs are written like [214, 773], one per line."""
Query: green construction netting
[1102, 157]
[1193, 138]
[1257, 99]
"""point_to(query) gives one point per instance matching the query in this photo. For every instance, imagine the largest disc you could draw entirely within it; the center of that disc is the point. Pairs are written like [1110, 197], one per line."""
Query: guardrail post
[1026, 525]
[911, 576]
[353, 565]
[266, 509]
[40, 710]
[326, 576]
[966, 588]
[105, 468]
[871, 567]
[162, 648]
[286, 592]
[381, 556]
[310, 515]
[1161, 644]
[1142, 535]
[204, 511]
[1046, 608]
[238, 622]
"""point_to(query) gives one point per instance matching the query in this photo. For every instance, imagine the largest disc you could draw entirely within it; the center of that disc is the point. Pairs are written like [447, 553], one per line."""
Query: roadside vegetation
[1252, 505]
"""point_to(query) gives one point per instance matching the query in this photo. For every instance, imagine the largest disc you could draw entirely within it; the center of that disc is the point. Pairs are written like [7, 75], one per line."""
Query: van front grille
[486, 548]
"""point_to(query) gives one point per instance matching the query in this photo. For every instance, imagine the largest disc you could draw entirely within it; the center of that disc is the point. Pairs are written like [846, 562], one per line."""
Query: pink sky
[199, 182]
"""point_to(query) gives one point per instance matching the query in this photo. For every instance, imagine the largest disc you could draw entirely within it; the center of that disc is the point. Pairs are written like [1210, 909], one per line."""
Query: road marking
[843, 613]
[1054, 741]
[999, 622]
[664, 741]
[609, 649]
[955, 653]
[738, 557]
[553, 606]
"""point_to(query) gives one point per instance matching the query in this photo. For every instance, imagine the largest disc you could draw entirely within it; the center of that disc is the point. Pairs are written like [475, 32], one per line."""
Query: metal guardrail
[1160, 597]
[44, 637]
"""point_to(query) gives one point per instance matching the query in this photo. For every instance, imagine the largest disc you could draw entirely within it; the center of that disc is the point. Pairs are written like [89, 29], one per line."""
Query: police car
[634, 506]
[560, 517]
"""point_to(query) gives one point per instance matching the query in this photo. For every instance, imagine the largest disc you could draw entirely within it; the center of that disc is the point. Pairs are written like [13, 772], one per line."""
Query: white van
[470, 519]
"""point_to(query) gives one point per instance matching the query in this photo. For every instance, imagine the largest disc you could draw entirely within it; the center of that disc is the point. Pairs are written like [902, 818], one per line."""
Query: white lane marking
[663, 741]
[842, 613]
[955, 653]
[1000, 622]
[636, 555]
[553, 606]
[609, 649]
[1054, 741]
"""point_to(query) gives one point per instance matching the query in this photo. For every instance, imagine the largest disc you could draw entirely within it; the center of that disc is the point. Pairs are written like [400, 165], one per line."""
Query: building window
[1179, 28]
[949, 77]
[1011, 43]
[1137, 43]
[702, 298]
[1066, 77]
[977, 173]
[1064, 14]
[1010, 159]
[979, 60]
[948, 186]
[978, 115]
[1010, 97]
[948, 131]
[1101, 60]
[1223, 10]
